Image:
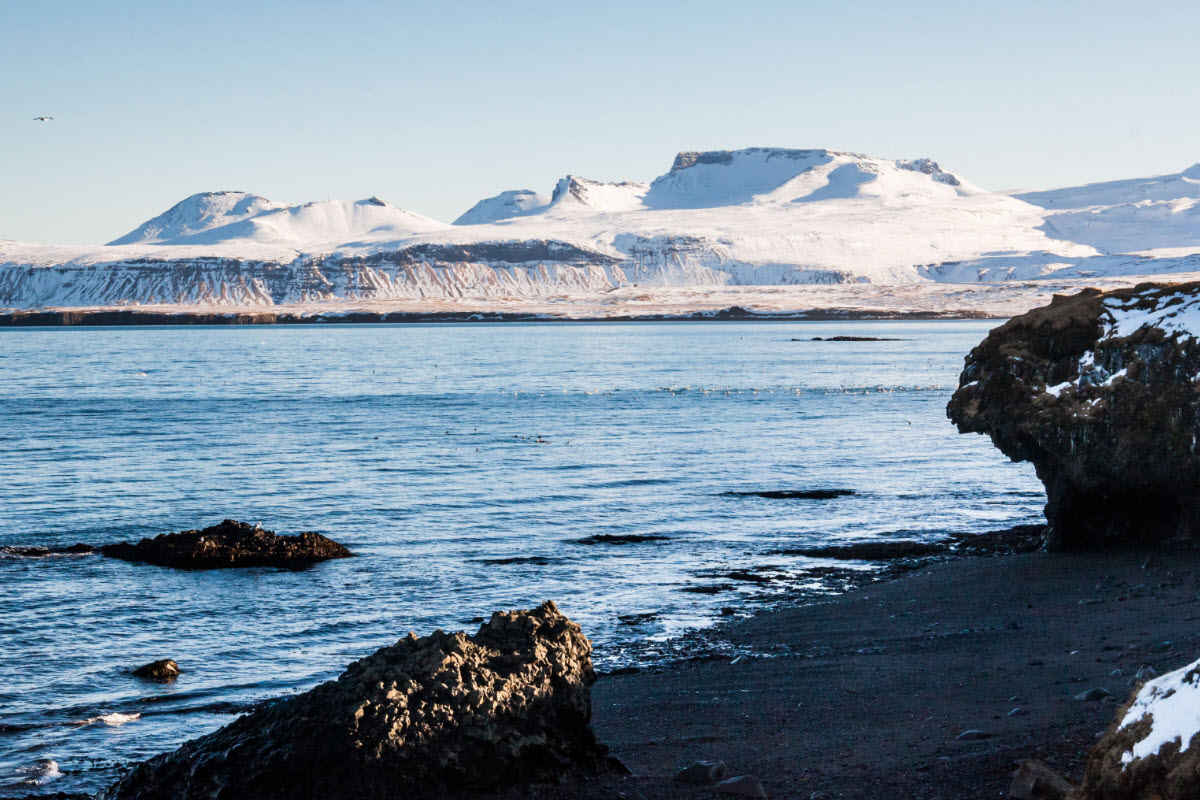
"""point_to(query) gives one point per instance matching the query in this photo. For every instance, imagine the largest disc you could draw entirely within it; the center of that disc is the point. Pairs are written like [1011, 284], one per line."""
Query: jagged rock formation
[421, 718]
[229, 544]
[1152, 749]
[1101, 392]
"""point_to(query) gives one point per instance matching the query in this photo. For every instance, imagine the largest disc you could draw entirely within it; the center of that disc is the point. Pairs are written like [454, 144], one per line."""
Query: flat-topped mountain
[757, 216]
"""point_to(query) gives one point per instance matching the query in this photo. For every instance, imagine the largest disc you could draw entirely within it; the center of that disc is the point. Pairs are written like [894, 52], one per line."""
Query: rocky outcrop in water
[424, 717]
[229, 544]
[162, 670]
[1152, 749]
[1101, 393]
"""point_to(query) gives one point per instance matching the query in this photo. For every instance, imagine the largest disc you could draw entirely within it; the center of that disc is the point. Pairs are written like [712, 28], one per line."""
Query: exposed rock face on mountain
[228, 544]
[1101, 392]
[420, 718]
[1152, 749]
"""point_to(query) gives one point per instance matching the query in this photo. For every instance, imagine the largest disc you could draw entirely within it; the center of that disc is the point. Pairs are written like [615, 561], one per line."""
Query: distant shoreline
[60, 318]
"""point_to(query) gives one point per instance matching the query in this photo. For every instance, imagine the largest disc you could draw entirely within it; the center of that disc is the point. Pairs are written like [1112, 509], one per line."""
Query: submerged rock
[422, 717]
[1152, 750]
[1101, 393]
[229, 544]
[796, 494]
[162, 670]
[871, 551]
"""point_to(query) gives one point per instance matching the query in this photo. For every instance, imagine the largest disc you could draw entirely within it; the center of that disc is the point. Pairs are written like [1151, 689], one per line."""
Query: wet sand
[875, 686]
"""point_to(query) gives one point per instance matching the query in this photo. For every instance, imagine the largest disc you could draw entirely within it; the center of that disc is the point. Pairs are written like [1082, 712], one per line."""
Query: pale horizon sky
[435, 106]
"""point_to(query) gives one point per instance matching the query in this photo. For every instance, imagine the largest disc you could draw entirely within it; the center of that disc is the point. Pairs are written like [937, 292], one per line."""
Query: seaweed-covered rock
[229, 544]
[423, 717]
[1152, 749]
[1101, 392]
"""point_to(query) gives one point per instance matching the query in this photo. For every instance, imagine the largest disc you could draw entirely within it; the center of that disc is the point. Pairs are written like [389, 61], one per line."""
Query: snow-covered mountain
[759, 216]
[1125, 216]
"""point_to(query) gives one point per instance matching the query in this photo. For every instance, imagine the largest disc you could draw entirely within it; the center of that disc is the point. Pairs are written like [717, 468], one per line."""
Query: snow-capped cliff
[759, 216]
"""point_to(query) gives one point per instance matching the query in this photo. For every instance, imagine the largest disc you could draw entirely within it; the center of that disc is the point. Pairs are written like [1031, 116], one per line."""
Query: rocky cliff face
[422, 718]
[1101, 393]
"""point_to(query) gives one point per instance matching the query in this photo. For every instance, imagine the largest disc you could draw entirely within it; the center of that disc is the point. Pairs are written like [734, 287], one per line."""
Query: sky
[434, 106]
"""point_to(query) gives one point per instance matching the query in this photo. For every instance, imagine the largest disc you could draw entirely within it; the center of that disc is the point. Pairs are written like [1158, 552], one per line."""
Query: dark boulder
[1152, 749]
[162, 670]
[229, 544]
[421, 718]
[1101, 393]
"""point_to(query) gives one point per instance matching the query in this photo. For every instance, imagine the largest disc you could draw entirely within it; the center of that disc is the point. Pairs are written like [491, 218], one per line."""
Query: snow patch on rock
[1172, 702]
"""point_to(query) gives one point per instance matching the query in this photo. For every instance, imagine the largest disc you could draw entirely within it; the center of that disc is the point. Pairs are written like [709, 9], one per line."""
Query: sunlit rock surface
[422, 717]
[228, 544]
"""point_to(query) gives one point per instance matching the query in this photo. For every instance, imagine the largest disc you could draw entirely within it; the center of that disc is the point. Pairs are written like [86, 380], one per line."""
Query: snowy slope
[195, 215]
[753, 217]
[508, 204]
[1125, 216]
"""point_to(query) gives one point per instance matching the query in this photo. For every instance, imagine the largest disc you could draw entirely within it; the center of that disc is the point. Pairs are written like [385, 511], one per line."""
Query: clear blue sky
[434, 105]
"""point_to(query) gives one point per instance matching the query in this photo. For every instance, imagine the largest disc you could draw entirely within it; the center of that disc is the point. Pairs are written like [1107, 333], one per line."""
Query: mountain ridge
[756, 216]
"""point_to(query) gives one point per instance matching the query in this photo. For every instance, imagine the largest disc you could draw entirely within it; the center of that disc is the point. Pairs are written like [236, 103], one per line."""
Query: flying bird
[42, 119]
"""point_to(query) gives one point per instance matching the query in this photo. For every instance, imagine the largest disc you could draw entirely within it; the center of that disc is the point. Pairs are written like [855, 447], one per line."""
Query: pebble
[744, 785]
[702, 772]
[1091, 695]
[1145, 674]
[973, 736]
[1116, 673]
[1016, 712]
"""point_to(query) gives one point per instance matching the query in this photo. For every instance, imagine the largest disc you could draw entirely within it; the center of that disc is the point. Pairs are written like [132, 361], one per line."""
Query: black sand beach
[880, 682]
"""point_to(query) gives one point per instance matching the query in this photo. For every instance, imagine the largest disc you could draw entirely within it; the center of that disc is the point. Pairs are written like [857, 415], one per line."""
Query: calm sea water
[462, 464]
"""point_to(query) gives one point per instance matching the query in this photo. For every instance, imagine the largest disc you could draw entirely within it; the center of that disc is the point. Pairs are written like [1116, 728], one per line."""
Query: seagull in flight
[42, 119]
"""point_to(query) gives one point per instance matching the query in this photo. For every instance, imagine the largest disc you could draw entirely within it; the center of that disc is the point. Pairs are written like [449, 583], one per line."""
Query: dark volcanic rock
[229, 544]
[622, 538]
[1152, 749]
[1101, 392]
[162, 670]
[870, 551]
[796, 494]
[421, 718]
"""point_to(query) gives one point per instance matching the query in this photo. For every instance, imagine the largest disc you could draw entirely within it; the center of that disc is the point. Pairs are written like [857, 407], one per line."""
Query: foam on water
[470, 468]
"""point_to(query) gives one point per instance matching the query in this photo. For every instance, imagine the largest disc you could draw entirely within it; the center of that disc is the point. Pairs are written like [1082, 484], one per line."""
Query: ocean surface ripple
[470, 467]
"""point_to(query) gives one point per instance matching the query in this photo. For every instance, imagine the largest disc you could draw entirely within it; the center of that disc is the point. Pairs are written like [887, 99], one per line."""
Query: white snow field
[733, 225]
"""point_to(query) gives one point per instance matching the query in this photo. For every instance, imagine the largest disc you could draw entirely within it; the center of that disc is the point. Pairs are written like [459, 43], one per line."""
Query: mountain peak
[196, 214]
[512, 203]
